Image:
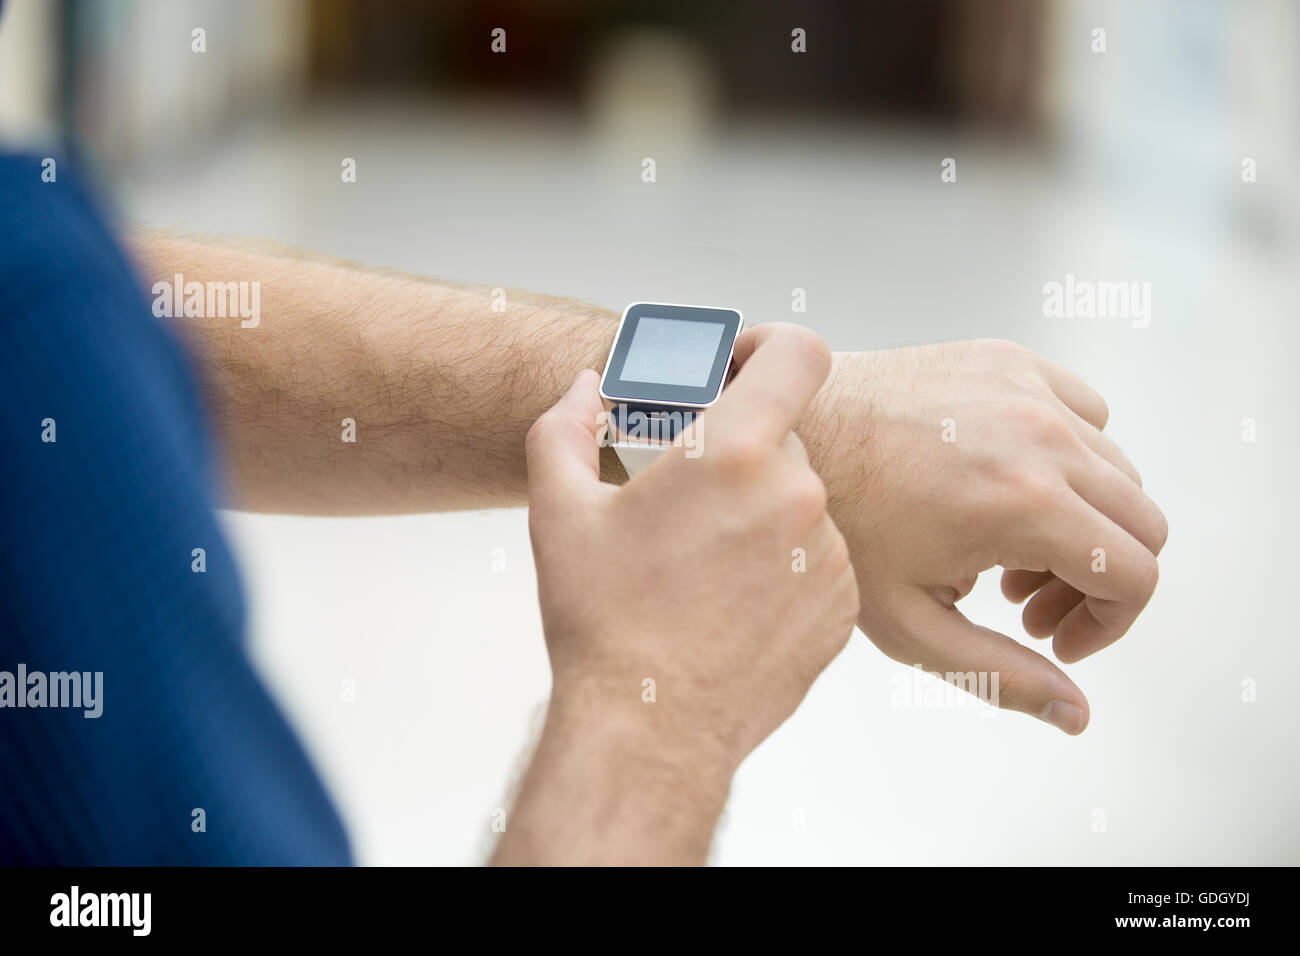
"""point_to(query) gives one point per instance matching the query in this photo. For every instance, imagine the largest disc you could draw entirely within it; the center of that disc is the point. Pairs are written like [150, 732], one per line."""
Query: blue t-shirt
[106, 492]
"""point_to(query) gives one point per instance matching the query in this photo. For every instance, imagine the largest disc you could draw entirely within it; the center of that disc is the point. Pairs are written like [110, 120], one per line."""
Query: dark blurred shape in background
[942, 60]
[121, 78]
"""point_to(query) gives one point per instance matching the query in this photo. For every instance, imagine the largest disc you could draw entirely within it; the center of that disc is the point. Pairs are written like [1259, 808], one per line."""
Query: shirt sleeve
[106, 496]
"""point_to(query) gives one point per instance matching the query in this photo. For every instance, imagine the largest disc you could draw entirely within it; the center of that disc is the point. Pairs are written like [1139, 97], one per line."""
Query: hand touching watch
[686, 613]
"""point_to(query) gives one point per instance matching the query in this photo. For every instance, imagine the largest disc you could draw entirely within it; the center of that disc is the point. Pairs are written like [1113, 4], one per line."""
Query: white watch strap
[636, 456]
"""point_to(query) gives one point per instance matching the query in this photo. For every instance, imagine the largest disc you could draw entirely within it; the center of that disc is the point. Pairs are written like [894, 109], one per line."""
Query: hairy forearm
[838, 424]
[442, 389]
[602, 790]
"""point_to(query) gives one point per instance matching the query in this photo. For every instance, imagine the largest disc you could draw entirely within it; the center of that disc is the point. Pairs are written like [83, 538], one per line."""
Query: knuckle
[1103, 414]
[840, 560]
[740, 456]
[808, 345]
[1113, 453]
[1162, 530]
[1030, 492]
[539, 431]
[835, 569]
[1043, 425]
[805, 498]
[1146, 575]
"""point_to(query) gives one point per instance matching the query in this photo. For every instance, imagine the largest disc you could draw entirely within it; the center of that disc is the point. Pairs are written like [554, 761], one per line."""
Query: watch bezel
[617, 390]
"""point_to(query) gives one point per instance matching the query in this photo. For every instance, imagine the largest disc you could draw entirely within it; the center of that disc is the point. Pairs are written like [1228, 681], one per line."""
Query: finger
[562, 451]
[784, 367]
[1061, 610]
[1093, 623]
[1100, 443]
[1113, 569]
[1084, 630]
[1109, 490]
[1078, 395]
[941, 638]
[1018, 584]
[1043, 613]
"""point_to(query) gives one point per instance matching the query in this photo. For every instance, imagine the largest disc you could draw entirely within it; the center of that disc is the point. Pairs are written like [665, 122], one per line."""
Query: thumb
[972, 657]
[562, 451]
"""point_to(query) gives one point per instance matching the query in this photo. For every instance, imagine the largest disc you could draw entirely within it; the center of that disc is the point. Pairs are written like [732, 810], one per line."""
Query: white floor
[447, 655]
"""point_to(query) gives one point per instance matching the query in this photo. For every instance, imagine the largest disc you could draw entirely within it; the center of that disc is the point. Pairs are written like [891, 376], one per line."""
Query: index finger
[781, 367]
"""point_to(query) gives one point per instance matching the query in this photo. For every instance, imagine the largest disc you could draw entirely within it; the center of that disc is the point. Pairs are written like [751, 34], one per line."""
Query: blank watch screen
[672, 352]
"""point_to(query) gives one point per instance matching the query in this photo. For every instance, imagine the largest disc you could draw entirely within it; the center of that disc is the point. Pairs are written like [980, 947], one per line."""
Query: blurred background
[776, 170]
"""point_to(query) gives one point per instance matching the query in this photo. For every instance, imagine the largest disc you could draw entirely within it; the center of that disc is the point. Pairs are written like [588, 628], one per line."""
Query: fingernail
[1063, 715]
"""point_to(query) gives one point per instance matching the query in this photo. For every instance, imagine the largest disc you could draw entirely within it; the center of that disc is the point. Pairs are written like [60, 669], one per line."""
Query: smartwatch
[668, 363]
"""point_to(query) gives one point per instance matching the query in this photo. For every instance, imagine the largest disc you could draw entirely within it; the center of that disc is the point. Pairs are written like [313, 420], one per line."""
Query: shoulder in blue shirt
[106, 493]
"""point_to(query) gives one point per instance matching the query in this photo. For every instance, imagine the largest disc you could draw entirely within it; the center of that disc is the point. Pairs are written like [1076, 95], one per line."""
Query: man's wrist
[838, 425]
[608, 787]
[660, 737]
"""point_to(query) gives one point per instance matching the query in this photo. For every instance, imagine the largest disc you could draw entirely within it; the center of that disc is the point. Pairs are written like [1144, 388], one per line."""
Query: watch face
[671, 354]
